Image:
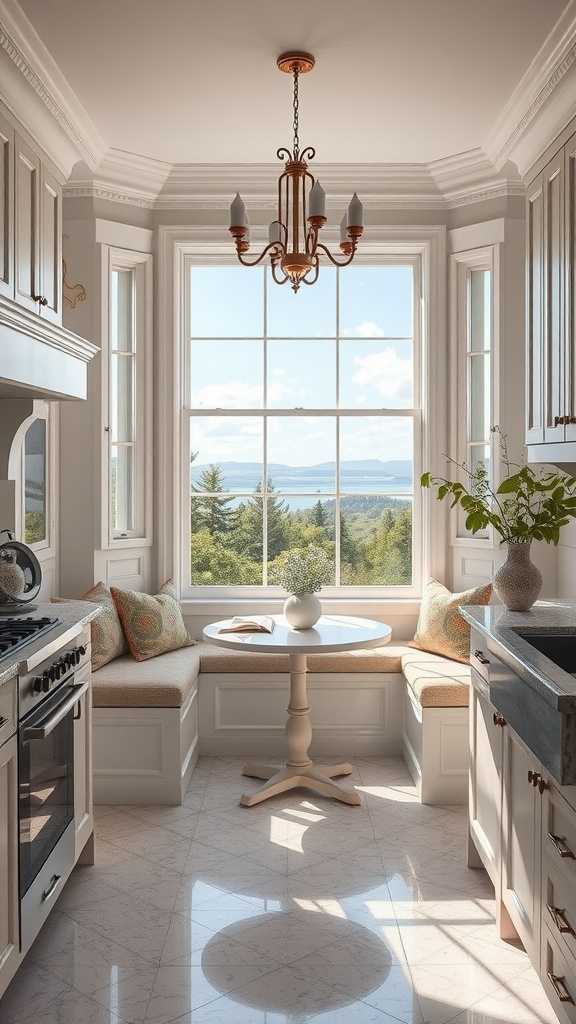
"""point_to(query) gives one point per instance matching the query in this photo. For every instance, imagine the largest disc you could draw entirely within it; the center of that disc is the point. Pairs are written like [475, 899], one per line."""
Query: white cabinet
[30, 225]
[504, 819]
[83, 811]
[38, 235]
[9, 922]
[521, 839]
[550, 308]
[485, 798]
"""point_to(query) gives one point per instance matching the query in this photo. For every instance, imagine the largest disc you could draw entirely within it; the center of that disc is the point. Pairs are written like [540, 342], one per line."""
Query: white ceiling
[195, 81]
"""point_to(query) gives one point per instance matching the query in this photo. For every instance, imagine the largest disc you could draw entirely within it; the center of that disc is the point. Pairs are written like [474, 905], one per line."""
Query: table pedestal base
[290, 777]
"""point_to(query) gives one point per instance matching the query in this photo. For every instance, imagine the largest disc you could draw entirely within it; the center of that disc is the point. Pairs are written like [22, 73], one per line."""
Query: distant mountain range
[361, 468]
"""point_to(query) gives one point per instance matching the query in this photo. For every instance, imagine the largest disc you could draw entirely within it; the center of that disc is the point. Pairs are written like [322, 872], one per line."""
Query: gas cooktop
[15, 633]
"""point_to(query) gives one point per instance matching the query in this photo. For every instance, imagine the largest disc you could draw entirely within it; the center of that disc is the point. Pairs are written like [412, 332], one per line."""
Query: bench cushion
[436, 682]
[162, 682]
[381, 659]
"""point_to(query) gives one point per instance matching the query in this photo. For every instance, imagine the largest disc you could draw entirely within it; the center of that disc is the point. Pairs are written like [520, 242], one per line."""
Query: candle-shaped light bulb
[355, 212]
[317, 201]
[237, 213]
[274, 232]
[343, 231]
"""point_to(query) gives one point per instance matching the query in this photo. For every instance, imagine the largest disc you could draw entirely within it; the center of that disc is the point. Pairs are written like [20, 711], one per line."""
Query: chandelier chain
[295, 105]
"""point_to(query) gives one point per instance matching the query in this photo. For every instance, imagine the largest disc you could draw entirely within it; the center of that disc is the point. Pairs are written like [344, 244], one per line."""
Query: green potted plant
[302, 575]
[527, 505]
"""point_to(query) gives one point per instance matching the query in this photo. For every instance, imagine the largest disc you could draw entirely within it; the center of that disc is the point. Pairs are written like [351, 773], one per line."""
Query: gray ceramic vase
[517, 582]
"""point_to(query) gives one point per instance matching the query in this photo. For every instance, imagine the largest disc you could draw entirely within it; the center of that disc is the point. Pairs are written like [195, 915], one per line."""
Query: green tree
[213, 562]
[249, 533]
[318, 514]
[211, 512]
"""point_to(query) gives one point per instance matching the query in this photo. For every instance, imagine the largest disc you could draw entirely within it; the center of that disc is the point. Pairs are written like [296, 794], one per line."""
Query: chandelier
[293, 246]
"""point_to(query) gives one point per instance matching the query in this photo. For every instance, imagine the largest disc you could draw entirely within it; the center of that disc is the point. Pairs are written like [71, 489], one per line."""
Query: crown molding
[40, 97]
[542, 102]
[138, 181]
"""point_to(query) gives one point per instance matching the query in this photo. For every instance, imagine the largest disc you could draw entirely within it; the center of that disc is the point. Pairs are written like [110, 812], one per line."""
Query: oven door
[46, 777]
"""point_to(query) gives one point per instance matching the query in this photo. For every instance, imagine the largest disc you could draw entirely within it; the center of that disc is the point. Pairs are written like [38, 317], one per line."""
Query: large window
[36, 482]
[302, 423]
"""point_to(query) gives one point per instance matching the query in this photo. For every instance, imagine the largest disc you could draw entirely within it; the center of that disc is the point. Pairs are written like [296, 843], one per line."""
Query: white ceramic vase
[302, 610]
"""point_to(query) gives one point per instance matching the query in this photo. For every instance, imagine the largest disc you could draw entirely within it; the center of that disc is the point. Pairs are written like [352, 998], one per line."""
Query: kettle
[20, 574]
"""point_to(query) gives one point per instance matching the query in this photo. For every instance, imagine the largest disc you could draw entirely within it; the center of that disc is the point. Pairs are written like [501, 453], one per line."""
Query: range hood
[40, 359]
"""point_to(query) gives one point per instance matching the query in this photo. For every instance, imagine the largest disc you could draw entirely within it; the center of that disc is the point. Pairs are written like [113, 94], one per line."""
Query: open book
[255, 624]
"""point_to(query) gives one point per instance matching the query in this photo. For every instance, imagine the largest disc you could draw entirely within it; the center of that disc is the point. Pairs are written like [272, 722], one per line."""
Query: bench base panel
[144, 755]
[242, 715]
[436, 751]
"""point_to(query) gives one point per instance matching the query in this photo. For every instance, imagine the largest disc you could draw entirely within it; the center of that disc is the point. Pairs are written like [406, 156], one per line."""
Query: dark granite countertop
[502, 628]
[70, 613]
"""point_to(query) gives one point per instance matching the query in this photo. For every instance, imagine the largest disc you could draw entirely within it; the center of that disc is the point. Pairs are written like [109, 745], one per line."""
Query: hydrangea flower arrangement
[304, 574]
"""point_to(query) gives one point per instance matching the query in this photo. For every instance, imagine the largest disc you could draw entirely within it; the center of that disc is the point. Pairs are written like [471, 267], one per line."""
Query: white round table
[331, 633]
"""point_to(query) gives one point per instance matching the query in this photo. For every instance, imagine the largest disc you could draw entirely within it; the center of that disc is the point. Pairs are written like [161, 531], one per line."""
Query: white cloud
[367, 329]
[235, 394]
[278, 372]
[386, 372]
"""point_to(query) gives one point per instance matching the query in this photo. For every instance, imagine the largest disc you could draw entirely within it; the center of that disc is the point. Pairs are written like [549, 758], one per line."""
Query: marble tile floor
[296, 911]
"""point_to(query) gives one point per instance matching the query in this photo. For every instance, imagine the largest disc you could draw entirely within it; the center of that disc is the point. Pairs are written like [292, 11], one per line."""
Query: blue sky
[228, 369]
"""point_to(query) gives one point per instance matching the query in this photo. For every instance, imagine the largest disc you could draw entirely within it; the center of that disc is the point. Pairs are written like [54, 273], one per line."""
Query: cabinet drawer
[559, 835]
[559, 908]
[558, 975]
[46, 887]
[8, 719]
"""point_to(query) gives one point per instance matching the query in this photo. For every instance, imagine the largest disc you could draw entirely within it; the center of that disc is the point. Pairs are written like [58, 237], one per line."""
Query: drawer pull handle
[498, 719]
[51, 888]
[560, 988]
[559, 843]
[480, 657]
[4, 721]
[561, 921]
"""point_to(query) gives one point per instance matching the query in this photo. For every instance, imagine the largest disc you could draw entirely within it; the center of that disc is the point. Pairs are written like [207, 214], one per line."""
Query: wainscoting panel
[242, 715]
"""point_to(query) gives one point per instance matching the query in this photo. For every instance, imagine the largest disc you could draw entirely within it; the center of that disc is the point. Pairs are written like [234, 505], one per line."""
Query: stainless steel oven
[46, 776]
[49, 696]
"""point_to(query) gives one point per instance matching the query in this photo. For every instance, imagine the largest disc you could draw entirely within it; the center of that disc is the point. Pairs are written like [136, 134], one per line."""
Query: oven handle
[40, 732]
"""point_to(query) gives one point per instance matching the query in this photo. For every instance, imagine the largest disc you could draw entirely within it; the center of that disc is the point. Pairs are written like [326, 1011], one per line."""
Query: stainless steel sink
[560, 648]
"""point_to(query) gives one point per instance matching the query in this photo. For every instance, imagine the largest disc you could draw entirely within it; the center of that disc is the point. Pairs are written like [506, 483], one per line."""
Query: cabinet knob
[533, 778]
[498, 719]
[41, 299]
[542, 785]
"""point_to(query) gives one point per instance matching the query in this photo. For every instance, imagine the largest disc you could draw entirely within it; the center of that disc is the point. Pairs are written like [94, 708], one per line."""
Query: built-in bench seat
[152, 719]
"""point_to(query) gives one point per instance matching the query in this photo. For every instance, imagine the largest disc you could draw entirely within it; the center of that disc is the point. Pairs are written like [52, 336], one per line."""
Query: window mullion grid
[337, 559]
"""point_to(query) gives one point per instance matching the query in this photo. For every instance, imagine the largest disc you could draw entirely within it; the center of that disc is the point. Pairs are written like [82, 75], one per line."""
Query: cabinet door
[570, 287]
[9, 929]
[6, 208]
[555, 410]
[521, 850]
[27, 227]
[83, 812]
[485, 783]
[534, 313]
[50, 271]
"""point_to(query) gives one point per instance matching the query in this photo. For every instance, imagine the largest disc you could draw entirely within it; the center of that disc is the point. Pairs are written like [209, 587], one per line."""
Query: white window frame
[461, 264]
[428, 244]
[141, 264]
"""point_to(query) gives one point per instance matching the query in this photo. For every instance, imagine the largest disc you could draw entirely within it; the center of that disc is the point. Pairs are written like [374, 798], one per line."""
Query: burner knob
[52, 672]
[82, 650]
[77, 655]
[37, 684]
[45, 681]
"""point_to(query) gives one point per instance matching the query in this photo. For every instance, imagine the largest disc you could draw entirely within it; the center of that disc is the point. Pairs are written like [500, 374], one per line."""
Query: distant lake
[320, 487]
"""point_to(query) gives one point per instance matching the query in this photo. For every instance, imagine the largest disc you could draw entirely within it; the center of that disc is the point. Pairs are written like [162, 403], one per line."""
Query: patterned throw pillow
[108, 640]
[441, 629]
[152, 625]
